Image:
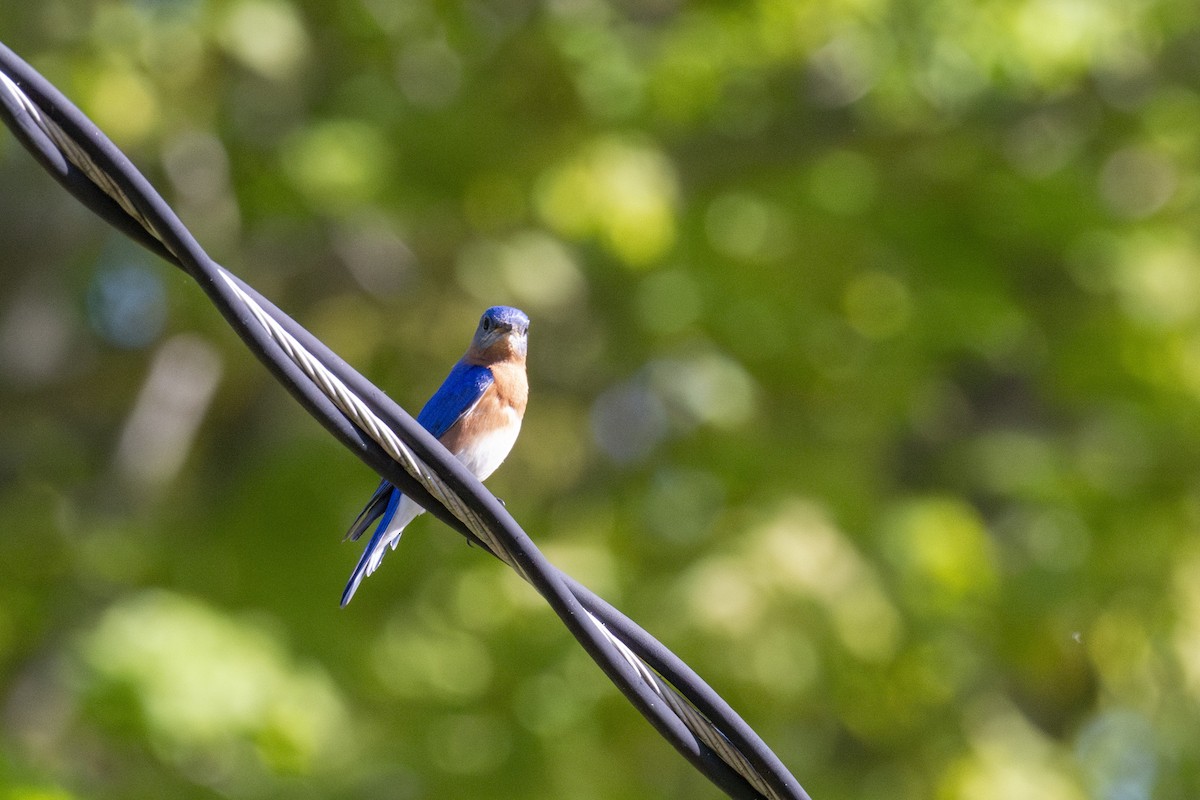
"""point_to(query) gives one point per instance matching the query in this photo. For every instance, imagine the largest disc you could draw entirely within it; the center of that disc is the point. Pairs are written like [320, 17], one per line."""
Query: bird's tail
[372, 511]
[394, 517]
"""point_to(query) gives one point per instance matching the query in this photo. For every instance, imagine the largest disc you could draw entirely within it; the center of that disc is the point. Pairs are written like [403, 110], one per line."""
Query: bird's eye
[486, 324]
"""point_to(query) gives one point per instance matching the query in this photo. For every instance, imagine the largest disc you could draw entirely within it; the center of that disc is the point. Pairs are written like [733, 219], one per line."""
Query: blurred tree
[865, 365]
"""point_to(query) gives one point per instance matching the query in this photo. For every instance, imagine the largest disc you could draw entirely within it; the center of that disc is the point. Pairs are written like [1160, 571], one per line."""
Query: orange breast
[483, 437]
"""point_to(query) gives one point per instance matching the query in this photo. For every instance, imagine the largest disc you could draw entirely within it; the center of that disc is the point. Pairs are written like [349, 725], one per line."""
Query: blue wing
[461, 390]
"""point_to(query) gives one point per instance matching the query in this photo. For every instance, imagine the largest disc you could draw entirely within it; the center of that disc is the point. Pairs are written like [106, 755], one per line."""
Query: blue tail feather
[385, 516]
[371, 511]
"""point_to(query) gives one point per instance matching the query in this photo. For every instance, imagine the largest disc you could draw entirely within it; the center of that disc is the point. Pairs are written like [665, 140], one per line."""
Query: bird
[476, 414]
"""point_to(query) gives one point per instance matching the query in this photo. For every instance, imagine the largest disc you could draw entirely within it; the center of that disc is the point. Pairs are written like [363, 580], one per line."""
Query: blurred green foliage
[865, 366]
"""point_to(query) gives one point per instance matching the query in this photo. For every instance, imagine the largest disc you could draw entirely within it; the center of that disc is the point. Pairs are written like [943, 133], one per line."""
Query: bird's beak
[511, 330]
[514, 335]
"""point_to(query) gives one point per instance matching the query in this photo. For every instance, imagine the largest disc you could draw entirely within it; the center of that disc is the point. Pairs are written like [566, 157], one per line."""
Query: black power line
[684, 709]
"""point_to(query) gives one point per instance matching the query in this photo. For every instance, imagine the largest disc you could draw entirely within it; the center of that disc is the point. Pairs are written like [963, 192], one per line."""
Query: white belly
[488, 451]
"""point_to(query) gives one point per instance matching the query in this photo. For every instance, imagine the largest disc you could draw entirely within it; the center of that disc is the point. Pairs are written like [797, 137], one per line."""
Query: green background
[865, 367]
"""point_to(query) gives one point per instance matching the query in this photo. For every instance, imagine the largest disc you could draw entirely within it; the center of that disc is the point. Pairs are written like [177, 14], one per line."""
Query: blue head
[503, 330]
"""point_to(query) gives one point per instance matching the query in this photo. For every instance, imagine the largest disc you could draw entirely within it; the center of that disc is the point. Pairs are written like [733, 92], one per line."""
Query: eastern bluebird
[476, 414]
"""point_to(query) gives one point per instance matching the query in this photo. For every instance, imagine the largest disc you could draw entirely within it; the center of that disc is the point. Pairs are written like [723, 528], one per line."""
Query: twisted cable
[688, 713]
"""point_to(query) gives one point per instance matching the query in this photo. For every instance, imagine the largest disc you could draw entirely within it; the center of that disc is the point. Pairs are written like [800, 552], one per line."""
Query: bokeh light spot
[846, 67]
[1009, 758]
[376, 254]
[429, 74]
[877, 304]
[542, 273]
[621, 191]
[337, 164]
[205, 683]
[1136, 182]
[124, 105]
[783, 661]
[1043, 143]
[799, 552]
[723, 595]
[952, 77]
[1057, 35]
[1186, 584]
[942, 551]
[707, 387]
[416, 660]
[1157, 279]
[1116, 752]
[534, 268]
[628, 422]
[744, 226]
[265, 35]
[35, 337]
[1015, 462]
[127, 305]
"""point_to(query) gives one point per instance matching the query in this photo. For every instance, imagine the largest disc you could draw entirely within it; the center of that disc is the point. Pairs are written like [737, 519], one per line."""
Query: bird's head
[502, 330]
